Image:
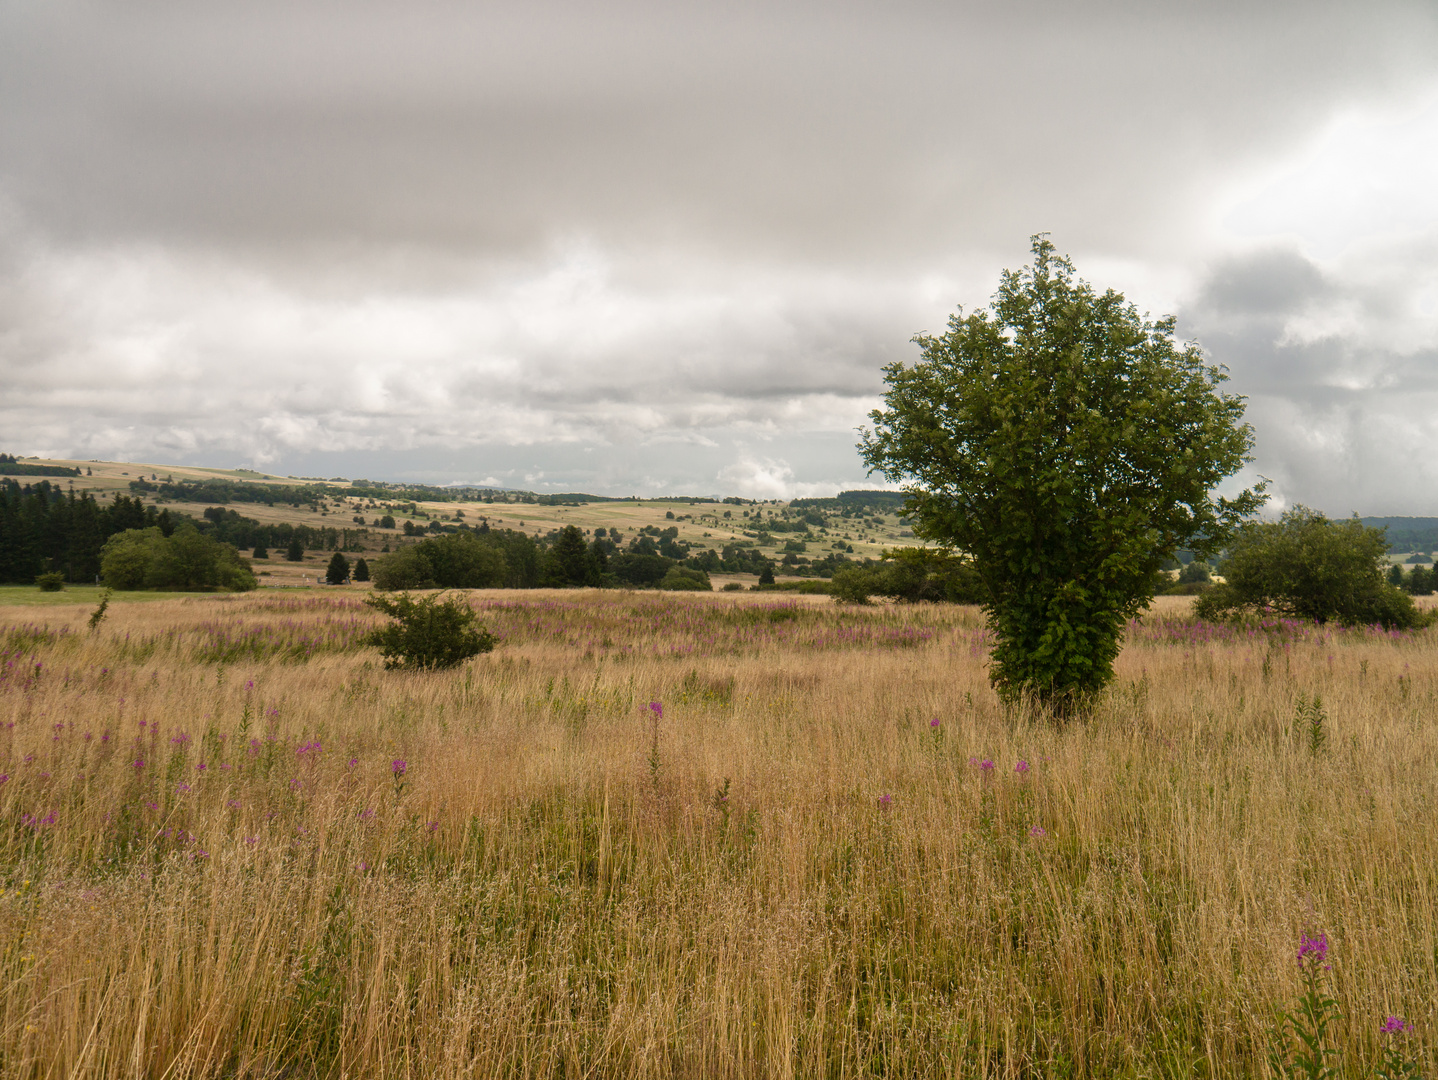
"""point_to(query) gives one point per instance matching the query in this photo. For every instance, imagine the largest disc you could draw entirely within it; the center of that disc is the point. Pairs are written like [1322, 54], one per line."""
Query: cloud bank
[631, 247]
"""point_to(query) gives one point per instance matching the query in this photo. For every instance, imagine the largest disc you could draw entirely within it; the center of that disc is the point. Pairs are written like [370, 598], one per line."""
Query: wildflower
[657, 709]
[1022, 767]
[353, 762]
[364, 866]
[1037, 832]
[433, 826]
[233, 804]
[934, 723]
[1395, 1025]
[398, 767]
[1315, 947]
[182, 786]
[201, 766]
[4, 778]
[987, 765]
[884, 801]
[252, 840]
[138, 764]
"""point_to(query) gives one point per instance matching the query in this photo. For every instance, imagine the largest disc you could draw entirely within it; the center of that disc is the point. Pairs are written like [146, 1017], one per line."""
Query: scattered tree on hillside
[1068, 446]
[260, 552]
[296, 551]
[361, 572]
[1308, 567]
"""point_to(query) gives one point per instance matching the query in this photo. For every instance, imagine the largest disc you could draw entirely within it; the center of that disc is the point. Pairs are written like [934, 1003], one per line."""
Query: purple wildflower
[398, 767]
[138, 764]
[884, 801]
[1314, 947]
[934, 722]
[657, 708]
[1395, 1025]
[1022, 767]
[1037, 832]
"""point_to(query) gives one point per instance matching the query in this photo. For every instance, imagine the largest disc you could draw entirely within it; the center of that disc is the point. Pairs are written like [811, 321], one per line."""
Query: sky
[666, 248]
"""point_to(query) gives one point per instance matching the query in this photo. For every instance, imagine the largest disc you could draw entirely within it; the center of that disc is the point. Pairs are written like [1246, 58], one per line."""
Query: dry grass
[553, 888]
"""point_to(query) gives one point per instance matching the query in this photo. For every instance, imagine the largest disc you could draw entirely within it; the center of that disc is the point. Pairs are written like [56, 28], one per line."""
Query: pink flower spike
[934, 722]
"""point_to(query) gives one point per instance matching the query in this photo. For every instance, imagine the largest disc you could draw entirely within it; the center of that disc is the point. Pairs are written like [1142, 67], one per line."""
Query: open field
[212, 864]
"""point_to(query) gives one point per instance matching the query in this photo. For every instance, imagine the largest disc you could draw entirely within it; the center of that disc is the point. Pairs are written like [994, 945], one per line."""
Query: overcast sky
[635, 247]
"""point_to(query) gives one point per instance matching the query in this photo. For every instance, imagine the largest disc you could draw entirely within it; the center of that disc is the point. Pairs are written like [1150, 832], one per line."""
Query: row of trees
[47, 529]
[508, 559]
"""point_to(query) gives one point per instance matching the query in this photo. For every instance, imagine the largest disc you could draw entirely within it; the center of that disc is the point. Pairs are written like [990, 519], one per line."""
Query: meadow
[697, 835]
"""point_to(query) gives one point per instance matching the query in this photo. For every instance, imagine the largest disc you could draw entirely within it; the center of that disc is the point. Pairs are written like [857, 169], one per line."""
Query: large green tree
[1068, 446]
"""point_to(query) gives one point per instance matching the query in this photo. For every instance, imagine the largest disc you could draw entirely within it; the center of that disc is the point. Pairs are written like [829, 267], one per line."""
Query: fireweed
[1300, 1045]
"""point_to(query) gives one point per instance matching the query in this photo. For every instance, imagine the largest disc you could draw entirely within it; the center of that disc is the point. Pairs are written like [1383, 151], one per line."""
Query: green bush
[1308, 567]
[683, 579]
[427, 634]
[51, 582]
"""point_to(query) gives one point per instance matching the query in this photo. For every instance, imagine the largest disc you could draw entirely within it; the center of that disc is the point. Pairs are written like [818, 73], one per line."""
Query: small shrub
[428, 633]
[51, 582]
[682, 579]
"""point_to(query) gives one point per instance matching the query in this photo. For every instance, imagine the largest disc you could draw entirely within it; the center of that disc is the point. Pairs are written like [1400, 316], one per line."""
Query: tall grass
[280, 861]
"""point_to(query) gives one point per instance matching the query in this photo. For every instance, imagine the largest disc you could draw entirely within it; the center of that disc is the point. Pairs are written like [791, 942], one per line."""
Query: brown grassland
[211, 864]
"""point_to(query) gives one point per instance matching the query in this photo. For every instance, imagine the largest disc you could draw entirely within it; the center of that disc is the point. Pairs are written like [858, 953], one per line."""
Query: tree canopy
[1069, 447]
[1308, 567]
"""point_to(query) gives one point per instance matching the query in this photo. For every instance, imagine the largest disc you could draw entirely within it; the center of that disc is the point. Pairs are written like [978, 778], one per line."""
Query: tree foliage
[185, 561]
[427, 633]
[1308, 567]
[1068, 446]
[338, 571]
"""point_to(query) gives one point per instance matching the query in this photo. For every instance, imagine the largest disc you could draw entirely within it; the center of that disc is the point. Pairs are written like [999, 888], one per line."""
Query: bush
[51, 582]
[1308, 567]
[260, 552]
[682, 579]
[427, 634]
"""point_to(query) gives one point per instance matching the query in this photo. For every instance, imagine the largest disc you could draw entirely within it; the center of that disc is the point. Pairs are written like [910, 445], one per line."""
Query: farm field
[696, 835]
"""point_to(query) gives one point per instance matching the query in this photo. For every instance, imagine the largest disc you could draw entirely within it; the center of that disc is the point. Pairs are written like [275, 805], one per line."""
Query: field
[232, 844]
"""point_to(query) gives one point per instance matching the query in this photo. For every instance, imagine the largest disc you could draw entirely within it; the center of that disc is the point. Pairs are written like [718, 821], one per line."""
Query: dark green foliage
[683, 579]
[911, 575]
[260, 552]
[50, 582]
[361, 572]
[295, 552]
[1308, 567]
[639, 570]
[338, 571]
[487, 559]
[427, 633]
[1068, 446]
[1195, 573]
[185, 561]
[9, 466]
[766, 576]
[570, 561]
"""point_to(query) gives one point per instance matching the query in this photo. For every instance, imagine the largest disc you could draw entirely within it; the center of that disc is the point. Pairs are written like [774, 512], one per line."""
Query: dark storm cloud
[561, 230]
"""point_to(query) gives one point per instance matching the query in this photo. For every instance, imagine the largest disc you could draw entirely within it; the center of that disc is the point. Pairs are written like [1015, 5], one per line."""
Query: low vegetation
[665, 834]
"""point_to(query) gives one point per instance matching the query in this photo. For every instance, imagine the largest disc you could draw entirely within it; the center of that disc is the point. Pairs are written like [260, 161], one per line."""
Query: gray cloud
[680, 241]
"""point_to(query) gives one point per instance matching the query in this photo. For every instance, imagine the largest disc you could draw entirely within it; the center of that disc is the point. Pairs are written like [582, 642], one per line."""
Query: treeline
[44, 529]
[487, 558]
[1407, 533]
[11, 466]
[232, 528]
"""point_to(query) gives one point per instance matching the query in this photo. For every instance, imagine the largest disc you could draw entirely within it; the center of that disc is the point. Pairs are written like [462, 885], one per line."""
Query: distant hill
[1408, 533]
